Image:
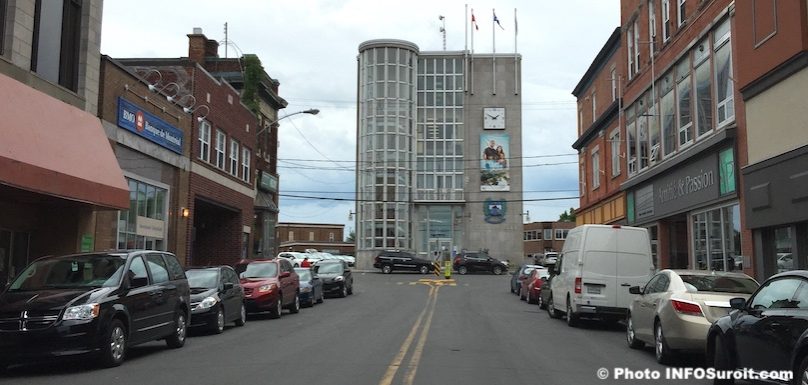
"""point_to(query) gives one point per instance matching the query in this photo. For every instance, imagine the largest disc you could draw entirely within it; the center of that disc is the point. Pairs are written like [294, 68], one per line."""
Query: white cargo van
[597, 266]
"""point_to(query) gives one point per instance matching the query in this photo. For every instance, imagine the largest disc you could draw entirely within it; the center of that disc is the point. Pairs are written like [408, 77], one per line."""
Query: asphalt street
[397, 329]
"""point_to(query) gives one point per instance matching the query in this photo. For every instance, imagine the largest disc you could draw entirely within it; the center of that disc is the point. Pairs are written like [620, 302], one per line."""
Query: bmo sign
[132, 118]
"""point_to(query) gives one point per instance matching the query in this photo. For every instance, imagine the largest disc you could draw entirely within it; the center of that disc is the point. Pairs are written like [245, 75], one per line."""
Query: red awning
[53, 148]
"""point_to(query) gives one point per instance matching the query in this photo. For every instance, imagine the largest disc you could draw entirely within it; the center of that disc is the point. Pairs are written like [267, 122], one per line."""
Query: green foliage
[351, 237]
[567, 216]
[253, 73]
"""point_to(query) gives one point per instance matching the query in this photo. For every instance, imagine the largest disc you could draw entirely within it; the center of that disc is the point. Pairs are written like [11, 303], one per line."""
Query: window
[595, 168]
[234, 147]
[614, 141]
[594, 107]
[291, 236]
[137, 269]
[725, 108]
[613, 78]
[666, 20]
[681, 10]
[221, 142]
[651, 21]
[580, 120]
[583, 177]
[654, 133]
[561, 233]
[633, 38]
[704, 99]
[631, 142]
[311, 235]
[330, 236]
[717, 239]
[779, 293]
[145, 200]
[245, 164]
[683, 103]
[667, 108]
[204, 141]
[636, 46]
[548, 234]
[158, 268]
[56, 41]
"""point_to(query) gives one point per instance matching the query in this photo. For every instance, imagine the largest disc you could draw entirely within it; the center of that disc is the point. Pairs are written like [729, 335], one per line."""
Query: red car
[531, 286]
[269, 285]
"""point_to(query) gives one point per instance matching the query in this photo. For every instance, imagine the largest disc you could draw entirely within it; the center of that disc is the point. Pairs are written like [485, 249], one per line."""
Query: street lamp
[310, 111]
[526, 216]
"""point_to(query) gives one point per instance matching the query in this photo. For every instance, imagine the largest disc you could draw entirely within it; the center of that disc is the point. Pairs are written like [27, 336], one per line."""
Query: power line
[409, 202]
[416, 161]
[374, 168]
[354, 192]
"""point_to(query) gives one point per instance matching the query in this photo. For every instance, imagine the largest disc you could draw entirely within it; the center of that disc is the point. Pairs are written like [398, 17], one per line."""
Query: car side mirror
[285, 274]
[737, 303]
[635, 290]
[139, 282]
[228, 285]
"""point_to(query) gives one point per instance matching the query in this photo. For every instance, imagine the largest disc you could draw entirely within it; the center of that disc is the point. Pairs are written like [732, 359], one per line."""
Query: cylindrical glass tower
[386, 115]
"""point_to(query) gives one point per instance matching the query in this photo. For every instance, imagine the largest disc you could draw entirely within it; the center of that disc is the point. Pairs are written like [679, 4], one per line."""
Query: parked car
[595, 270]
[311, 287]
[520, 274]
[349, 259]
[336, 276]
[675, 309]
[98, 304]
[297, 258]
[548, 258]
[767, 331]
[478, 261]
[785, 262]
[392, 260]
[544, 293]
[269, 285]
[531, 286]
[216, 297]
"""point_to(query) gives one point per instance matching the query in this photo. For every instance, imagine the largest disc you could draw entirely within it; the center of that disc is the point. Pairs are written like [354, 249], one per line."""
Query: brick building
[685, 136]
[772, 76]
[222, 164]
[542, 237]
[321, 236]
[57, 168]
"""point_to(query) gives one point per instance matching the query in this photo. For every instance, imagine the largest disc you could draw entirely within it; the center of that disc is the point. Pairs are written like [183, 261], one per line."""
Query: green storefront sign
[726, 171]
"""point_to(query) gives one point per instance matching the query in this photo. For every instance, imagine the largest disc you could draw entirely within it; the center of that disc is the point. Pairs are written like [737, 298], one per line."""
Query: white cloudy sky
[310, 46]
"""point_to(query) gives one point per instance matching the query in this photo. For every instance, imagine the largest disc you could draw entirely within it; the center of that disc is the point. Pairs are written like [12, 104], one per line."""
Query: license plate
[593, 289]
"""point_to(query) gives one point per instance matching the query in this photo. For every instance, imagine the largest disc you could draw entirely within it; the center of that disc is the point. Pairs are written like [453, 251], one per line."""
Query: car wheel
[177, 338]
[550, 309]
[631, 338]
[343, 292]
[297, 265]
[802, 373]
[572, 318]
[387, 269]
[462, 270]
[424, 269]
[663, 353]
[114, 349]
[217, 326]
[497, 270]
[296, 305]
[721, 361]
[242, 319]
[277, 310]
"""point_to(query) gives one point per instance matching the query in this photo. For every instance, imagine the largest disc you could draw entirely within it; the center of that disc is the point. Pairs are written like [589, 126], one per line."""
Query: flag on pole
[474, 21]
[497, 21]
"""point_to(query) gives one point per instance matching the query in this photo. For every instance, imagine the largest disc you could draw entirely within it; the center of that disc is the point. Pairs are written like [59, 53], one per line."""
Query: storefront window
[784, 239]
[717, 239]
[143, 225]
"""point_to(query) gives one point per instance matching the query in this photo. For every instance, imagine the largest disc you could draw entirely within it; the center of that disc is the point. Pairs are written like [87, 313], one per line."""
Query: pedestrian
[305, 262]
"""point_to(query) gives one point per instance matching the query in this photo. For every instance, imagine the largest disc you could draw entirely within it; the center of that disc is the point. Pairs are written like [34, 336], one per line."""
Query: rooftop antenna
[225, 40]
[443, 30]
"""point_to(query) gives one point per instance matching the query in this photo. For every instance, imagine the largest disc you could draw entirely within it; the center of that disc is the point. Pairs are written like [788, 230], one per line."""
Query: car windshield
[203, 278]
[71, 272]
[260, 270]
[329, 268]
[721, 284]
[304, 274]
[528, 270]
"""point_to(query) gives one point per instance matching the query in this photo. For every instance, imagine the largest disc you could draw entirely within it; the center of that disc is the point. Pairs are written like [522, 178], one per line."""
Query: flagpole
[471, 62]
[515, 55]
[494, 56]
[466, 52]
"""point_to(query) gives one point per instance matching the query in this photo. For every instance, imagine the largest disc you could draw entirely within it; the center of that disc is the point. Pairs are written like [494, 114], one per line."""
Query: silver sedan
[676, 308]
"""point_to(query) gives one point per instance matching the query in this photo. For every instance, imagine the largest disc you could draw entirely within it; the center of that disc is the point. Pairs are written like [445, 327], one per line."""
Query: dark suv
[401, 260]
[95, 303]
[216, 298]
[478, 261]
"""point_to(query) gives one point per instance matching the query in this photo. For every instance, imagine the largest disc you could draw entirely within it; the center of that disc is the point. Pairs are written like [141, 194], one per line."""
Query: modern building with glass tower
[439, 152]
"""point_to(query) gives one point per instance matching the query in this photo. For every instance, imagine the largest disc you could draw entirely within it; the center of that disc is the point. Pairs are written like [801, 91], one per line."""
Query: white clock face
[494, 118]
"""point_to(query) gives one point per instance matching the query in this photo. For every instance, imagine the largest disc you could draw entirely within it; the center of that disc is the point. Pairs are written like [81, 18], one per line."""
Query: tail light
[578, 285]
[686, 307]
[457, 260]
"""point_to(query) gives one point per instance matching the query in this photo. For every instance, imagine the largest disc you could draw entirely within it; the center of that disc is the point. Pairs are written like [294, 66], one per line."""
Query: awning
[264, 202]
[50, 147]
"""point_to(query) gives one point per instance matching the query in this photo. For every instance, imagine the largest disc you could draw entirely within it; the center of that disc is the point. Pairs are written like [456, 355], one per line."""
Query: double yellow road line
[423, 323]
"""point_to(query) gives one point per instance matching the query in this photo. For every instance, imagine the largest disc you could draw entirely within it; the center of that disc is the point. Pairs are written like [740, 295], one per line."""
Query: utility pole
[225, 40]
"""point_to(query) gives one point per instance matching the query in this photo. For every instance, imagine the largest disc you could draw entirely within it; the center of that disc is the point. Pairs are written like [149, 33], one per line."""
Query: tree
[351, 237]
[567, 216]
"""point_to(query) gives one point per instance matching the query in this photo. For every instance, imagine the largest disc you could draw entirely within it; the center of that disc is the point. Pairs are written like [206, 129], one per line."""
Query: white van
[597, 266]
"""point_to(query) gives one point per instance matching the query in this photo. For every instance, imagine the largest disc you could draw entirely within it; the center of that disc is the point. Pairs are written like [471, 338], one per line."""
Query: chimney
[199, 47]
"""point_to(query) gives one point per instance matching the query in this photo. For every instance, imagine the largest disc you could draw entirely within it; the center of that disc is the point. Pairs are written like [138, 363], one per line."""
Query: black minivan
[94, 303]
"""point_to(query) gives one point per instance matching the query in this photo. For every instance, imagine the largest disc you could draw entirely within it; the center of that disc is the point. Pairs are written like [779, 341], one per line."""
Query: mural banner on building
[494, 159]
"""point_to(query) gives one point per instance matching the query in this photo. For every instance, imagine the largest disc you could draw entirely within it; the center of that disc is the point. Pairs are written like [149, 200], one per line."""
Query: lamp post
[310, 111]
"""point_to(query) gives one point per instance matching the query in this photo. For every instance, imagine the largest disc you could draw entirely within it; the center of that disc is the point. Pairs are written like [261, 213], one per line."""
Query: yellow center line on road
[419, 348]
[392, 369]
